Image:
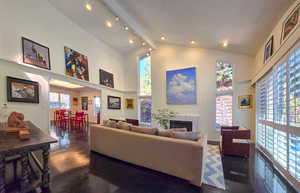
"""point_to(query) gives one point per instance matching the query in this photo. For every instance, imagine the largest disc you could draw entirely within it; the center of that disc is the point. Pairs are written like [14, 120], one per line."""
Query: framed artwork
[268, 49]
[129, 103]
[290, 23]
[84, 103]
[35, 54]
[245, 102]
[75, 101]
[76, 64]
[19, 90]
[181, 86]
[113, 102]
[106, 78]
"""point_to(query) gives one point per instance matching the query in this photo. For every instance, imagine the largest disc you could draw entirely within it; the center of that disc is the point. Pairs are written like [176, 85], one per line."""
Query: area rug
[213, 173]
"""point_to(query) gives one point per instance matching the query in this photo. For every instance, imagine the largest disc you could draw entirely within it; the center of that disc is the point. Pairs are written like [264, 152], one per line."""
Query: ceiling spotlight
[193, 42]
[108, 24]
[143, 43]
[131, 41]
[225, 44]
[117, 18]
[150, 49]
[148, 54]
[88, 7]
[126, 28]
[163, 38]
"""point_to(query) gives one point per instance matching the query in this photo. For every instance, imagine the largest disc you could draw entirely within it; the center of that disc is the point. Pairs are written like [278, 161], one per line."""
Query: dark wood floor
[76, 170]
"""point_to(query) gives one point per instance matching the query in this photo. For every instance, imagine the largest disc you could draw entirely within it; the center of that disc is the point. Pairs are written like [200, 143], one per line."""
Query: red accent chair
[235, 141]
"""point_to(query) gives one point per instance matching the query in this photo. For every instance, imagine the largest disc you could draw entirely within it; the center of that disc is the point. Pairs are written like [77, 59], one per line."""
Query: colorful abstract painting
[181, 86]
[76, 64]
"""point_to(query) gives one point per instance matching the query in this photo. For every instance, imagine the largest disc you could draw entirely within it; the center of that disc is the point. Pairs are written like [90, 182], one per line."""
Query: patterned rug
[213, 174]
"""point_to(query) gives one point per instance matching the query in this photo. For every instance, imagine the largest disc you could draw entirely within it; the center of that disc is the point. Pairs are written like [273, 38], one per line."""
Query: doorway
[67, 101]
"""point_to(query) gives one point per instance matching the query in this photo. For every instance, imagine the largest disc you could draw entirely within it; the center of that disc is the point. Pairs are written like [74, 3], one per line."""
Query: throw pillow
[164, 133]
[145, 130]
[123, 125]
[105, 122]
[193, 136]
[112, 124]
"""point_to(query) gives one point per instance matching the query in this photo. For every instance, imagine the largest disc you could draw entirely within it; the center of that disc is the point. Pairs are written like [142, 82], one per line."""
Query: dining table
[12, 145]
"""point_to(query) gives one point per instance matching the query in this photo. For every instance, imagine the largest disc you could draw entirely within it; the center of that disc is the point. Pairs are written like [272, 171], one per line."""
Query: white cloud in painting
[180, 87]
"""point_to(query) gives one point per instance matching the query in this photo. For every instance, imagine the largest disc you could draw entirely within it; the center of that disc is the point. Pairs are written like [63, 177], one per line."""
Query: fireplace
[181, 124]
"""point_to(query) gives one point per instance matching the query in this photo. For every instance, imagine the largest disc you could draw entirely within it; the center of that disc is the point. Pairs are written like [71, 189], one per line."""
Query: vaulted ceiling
[245, 24]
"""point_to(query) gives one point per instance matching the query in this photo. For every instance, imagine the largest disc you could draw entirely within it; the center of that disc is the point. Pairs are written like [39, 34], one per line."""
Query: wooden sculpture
[16, 120]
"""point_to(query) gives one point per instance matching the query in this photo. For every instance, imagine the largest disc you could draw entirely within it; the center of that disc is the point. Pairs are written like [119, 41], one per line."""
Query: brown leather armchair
[235, 141]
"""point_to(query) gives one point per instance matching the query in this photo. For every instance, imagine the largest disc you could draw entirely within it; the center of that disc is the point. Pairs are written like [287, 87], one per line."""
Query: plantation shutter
[294, 113]
[278, 115]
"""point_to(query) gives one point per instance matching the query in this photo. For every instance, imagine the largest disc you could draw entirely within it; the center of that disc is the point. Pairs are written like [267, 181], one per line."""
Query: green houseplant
[163, 116]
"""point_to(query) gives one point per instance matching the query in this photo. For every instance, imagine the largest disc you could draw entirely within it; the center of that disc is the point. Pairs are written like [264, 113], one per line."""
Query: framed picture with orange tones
[245, 102]
[129, 103]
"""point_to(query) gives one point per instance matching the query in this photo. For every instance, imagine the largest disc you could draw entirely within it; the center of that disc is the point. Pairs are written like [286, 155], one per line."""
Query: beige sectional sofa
[181, 158]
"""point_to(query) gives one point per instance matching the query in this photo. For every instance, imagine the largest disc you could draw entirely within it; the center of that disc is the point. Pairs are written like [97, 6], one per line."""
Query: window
[145, 100]
[224, 94]
[278, 114]
[224, 110]
[59, 100]
[64, 101]
[54, 100]
[97, 106]
[224, 76]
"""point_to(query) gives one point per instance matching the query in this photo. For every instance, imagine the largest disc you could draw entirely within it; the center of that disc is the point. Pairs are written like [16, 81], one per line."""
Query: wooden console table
[11, 145]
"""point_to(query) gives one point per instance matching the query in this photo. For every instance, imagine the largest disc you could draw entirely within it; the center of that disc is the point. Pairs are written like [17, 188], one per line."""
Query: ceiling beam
[128, 19]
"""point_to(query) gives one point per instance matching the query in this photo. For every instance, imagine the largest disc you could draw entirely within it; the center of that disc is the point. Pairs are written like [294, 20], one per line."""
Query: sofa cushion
[167, 133]
[112, 124]
[123, 125]
[105, 122]
[179, 129]
[145, 130]
[193, 136]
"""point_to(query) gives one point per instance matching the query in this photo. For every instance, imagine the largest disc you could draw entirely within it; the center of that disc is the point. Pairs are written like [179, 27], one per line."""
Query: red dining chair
[63, 119]
[78, 121]
[56, 116]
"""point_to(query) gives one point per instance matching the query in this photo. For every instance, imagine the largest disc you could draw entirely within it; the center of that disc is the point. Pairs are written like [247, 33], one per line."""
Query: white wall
[170, 57]
[280, 47]
[37, 113]
[39, 21]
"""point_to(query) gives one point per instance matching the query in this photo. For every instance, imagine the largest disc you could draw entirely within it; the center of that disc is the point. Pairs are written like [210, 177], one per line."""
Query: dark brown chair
[235, 141]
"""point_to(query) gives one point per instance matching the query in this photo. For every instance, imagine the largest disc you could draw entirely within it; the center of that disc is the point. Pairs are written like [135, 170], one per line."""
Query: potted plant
[163, 117]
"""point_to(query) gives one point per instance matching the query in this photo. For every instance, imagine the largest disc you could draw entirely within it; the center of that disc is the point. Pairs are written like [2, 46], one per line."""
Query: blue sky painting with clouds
[181, 86]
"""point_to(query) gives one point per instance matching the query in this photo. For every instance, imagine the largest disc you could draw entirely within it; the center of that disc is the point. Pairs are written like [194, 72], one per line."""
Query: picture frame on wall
[76, 64]
[290, 23]
[35, 54]
[113, 102]
[129, 103]
[245, 102]
[106, 78]
[268, 49]
[181, 86]
[20, 90]
[84, 103]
